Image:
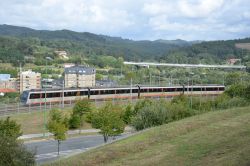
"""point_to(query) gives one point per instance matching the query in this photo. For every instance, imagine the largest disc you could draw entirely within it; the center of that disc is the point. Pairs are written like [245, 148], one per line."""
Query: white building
[8, 84]
[28, 80]
[62, 54]
[79, 76]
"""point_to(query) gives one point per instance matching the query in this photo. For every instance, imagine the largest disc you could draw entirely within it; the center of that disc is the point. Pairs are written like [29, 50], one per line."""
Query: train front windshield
[24, 97]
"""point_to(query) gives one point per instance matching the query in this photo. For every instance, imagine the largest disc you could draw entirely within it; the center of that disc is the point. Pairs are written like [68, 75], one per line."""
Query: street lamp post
[191, 101]
[63, 94]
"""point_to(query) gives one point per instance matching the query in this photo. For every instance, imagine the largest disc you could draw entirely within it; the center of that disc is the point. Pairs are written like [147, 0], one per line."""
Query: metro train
[35, 97]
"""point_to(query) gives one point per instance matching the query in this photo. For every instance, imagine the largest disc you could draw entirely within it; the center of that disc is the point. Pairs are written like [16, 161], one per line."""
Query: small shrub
[247, 93]
[236, 90]
[144, 118]
[74, 122]
[180, 111]
[233, 102]
[149, 116]
[181, 99]
[127, 114]
[140, 104]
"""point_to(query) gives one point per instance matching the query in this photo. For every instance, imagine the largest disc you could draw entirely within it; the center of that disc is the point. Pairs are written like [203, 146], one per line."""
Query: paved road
[70, 132]
[47, 150]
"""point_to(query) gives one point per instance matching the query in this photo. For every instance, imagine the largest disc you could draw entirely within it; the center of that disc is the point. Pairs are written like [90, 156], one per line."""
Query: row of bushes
[148, 113]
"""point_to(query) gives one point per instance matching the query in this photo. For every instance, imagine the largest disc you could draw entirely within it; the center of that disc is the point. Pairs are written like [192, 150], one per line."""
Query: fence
[7, 109]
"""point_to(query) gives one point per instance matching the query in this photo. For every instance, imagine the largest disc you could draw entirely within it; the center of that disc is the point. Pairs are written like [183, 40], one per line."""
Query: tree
[150, 115]
[57, 125]
[232, 78]
[10, 128]
[140, 104]
[247, 96]
[127, 114]
[13, 152]
[108, 119]
[130, 76]
[81, 107]
[236, 90]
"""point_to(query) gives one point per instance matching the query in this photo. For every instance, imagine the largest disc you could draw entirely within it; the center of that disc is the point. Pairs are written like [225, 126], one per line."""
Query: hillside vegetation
[213, 138]
[81, 44]
[28, 48]
[18, 42]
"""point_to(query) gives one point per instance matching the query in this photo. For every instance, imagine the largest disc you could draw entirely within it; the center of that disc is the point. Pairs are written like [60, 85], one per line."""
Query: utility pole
[159, 79]
[63, 94]
[131, 82]
[45, 102]
[150, 81]
[45, 96]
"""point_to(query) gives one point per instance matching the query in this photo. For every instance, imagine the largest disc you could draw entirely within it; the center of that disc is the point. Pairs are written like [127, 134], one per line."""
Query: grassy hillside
[214, 138]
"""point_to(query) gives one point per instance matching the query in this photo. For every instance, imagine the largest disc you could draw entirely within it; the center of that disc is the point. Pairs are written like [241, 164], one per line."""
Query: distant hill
[20, 42]
[98, 44]
[210, 52]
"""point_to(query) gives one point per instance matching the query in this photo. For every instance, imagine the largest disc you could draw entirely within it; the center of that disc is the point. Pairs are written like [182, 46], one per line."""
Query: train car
[35, 97]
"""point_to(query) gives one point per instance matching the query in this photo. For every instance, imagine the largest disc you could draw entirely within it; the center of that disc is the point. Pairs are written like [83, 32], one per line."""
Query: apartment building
[28, 80]
[7, 84]
[79, 77]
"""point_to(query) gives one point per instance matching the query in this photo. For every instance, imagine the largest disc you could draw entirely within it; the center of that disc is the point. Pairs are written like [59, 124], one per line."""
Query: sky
[134, 19]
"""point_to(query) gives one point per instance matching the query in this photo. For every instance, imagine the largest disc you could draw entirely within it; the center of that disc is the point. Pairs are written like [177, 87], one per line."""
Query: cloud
[202, 8]
[141, 19]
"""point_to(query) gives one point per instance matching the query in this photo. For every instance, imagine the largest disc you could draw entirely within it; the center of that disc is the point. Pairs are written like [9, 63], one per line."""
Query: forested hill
[20, 44]
[211, 52]
[92, 44]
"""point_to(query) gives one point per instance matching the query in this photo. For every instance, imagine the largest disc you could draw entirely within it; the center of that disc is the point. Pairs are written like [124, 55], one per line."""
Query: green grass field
[32, 123]
[214, 138]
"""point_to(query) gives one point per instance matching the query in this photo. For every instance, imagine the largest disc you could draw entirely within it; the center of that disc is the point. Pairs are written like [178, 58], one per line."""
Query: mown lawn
[213, 138]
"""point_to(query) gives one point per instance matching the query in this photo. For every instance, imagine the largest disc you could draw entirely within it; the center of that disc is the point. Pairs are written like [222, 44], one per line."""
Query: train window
[196, 89]
[135, 91]
[111, 91]
[210, 89]
[35, 96]
[103, 92]
[144, 90]
[107, 92]
[94, 92]
[66, 94]
[168, 89]
[180, 89]
[221, 89]
[49, 95]
[83, 93]
[120, 91]
[70, 94]
[165, 90]
[127, 90]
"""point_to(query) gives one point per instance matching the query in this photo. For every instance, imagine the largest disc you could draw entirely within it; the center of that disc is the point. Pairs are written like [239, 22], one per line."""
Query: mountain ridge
[19, 31]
